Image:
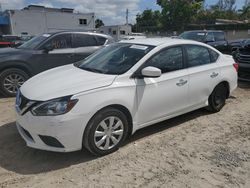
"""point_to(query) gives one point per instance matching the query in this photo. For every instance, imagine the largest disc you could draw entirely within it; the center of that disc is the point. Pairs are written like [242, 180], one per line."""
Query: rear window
[214, 55]
[197, 55]
[83, 40]
[219, 36]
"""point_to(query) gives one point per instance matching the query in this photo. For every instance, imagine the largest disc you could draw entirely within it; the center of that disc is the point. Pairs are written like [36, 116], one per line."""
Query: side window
[210, 37]
[101, 40]
[167, 60]
[219, 36]
[83, 40]
[60, 41]
[197, 55]
[214, 55]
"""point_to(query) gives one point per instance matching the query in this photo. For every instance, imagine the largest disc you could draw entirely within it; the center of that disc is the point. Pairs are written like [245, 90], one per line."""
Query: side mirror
[151, 72]
[48, 48]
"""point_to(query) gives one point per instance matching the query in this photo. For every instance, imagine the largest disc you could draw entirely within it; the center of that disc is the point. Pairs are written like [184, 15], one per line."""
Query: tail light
[236, 66]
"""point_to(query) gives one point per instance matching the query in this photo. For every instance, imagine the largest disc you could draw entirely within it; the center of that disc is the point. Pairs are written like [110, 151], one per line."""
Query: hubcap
[108, 133]
[12, 82]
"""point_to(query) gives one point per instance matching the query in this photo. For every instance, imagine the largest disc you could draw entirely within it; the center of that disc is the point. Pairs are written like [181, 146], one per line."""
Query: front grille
[24, 101]
[23, 104]
[243, 58]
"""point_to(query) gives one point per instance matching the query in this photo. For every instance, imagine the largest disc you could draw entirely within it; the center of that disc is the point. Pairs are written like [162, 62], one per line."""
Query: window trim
[137, 73]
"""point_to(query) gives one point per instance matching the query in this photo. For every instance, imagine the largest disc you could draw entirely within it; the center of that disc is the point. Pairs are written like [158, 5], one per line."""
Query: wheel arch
[122, 109]
[17, 65]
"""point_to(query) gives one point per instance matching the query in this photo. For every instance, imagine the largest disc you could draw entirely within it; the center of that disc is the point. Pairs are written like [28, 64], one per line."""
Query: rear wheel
[218, 98]
[106, 131]
[10, 80]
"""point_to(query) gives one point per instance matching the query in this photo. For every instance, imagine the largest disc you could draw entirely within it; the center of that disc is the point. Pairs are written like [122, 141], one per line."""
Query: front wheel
[106, 131]
[218, 98]
[10, 80]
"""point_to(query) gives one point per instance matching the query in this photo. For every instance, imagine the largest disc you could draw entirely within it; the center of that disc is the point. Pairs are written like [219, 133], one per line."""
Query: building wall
[237, 34]
[38, 21]
[116, 31]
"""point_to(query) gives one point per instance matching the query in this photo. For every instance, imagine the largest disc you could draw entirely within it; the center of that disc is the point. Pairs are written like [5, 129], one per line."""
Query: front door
[166, 95]
[62, 53]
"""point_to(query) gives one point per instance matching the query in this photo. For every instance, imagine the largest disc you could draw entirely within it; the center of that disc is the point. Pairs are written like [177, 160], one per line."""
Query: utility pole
[127, 17]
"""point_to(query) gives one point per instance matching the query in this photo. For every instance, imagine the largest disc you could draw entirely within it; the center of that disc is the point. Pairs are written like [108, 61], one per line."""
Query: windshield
[197, 36]
[115, 59]
[34, 42]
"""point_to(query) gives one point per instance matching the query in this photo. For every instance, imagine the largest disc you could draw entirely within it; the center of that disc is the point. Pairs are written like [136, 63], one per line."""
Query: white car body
[148, 100]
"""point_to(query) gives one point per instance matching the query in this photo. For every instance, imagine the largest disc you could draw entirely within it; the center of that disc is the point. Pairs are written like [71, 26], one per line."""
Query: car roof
[160, 41]
[82, 32]
[204, 31]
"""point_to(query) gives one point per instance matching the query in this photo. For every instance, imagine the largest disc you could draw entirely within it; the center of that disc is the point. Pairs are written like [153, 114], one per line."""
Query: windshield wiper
[91, 69]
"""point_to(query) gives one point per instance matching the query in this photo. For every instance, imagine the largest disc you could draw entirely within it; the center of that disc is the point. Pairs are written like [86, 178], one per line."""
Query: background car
[213, 38]
[45, 52]
[242, 57]
[100, 101]
[8, 40]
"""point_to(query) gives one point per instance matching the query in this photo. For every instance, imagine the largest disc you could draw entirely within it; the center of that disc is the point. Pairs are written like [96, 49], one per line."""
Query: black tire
[5, 74]
[217, 99]
[89, 134]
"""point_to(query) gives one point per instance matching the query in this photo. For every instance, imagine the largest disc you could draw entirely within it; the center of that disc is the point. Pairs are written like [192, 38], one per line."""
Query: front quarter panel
[121, 92]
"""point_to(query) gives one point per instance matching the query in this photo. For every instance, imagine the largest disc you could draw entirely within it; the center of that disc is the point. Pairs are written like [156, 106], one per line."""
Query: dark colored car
[242, 57]
[45, 52]
[213, 38]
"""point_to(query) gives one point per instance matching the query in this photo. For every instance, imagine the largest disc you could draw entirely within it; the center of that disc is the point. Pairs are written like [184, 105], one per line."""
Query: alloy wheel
[108, 133]
[12, 82]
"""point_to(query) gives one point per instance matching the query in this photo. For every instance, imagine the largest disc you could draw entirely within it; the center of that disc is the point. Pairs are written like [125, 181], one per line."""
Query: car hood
[63, 81]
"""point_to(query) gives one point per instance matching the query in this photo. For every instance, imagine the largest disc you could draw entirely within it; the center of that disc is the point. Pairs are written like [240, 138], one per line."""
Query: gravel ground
[197, 149]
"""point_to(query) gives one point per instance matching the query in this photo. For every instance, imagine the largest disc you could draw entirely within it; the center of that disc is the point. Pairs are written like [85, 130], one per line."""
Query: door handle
[181, 82]
[71, 55]
[214, 74]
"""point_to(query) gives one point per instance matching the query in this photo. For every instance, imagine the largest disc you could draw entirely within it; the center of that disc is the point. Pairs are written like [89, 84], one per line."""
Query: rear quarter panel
[228, 72]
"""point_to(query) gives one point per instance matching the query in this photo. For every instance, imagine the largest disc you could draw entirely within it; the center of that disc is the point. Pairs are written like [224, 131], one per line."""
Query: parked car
[235, 44]
[8, 40]
[213, 38]
[22, 40]
[99, 101]
[242, 57]
[45, 52]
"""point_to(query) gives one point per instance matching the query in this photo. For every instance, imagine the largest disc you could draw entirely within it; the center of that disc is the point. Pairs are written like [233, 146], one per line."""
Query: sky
[110, 11]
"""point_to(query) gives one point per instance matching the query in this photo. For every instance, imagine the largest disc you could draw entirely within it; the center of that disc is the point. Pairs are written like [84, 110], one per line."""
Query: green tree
[148, 21]
[176, 14]
[98, 23]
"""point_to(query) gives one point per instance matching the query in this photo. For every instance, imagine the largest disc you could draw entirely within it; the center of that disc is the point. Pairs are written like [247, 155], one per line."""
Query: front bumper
[66, 129]
[244, 71]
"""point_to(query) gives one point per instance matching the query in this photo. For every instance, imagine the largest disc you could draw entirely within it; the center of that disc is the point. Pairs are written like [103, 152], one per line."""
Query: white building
[116, 31]
[34, 20]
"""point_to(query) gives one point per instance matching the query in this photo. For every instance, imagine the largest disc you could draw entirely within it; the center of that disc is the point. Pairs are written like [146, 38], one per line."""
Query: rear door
[84, 45]
[203, 73]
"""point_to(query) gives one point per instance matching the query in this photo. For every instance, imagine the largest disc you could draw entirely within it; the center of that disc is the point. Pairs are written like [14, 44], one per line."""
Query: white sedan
[100, 101]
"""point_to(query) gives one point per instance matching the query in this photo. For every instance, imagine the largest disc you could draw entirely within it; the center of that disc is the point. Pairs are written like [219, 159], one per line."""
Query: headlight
[54, 107]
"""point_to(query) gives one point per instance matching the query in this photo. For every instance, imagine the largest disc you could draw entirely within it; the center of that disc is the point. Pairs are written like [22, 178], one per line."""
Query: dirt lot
[197, 149]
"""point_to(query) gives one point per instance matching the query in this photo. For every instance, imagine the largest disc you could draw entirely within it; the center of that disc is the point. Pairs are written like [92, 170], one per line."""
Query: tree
[98, 23]
[148, 21]
[176, 14]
